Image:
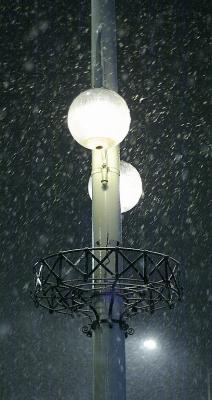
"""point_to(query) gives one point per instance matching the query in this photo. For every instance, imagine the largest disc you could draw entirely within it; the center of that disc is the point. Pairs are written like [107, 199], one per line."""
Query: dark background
[163, 70]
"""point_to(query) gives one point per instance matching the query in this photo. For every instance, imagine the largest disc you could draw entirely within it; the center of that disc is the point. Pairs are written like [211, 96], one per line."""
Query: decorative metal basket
[66, 282]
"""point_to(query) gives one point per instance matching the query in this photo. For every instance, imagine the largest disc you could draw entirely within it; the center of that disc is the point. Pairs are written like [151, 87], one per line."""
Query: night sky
[163, 72]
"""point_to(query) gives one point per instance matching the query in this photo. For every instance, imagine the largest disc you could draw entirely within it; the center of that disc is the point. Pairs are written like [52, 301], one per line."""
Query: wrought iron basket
[66, 282]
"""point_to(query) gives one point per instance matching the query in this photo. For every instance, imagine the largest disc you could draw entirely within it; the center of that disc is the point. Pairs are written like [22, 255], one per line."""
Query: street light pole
[209, 384]
[106, 284]
[103, 44]
[109, 381]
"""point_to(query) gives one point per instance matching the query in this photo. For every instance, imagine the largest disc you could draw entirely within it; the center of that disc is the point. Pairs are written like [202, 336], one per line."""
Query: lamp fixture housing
[99, 118]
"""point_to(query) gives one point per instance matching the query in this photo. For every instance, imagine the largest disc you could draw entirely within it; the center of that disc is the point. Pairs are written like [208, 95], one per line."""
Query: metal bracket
[104, 171]
[87, 330]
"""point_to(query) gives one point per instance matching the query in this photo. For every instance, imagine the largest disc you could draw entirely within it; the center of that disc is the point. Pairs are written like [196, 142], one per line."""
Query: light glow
[150, 344]
[99, 118]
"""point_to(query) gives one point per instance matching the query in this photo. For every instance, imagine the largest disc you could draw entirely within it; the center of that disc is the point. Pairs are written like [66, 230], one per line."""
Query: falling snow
[163, 70]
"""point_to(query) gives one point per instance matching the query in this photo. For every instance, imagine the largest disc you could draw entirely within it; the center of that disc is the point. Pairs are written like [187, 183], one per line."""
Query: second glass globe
[131, 188]
[99, 118]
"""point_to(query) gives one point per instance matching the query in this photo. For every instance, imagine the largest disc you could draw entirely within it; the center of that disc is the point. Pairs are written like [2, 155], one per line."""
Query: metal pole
[209, 384]
[108, 341]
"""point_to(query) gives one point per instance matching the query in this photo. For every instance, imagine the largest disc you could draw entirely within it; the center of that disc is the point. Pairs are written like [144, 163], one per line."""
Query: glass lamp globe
[131, 188]
[99, 118]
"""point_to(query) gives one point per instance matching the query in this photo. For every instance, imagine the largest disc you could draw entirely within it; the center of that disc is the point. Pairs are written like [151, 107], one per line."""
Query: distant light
[99, 118]
[131, 188]
[150, 344]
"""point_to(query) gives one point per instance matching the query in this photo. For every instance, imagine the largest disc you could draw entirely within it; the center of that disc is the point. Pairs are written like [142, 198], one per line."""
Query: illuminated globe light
[99, 118]
[131, 188]
[150, 344]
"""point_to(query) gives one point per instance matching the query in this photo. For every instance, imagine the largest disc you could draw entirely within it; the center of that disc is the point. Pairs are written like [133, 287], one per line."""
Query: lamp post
[113, 116]
[209, 384]
[107, 284]
[109, 376]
